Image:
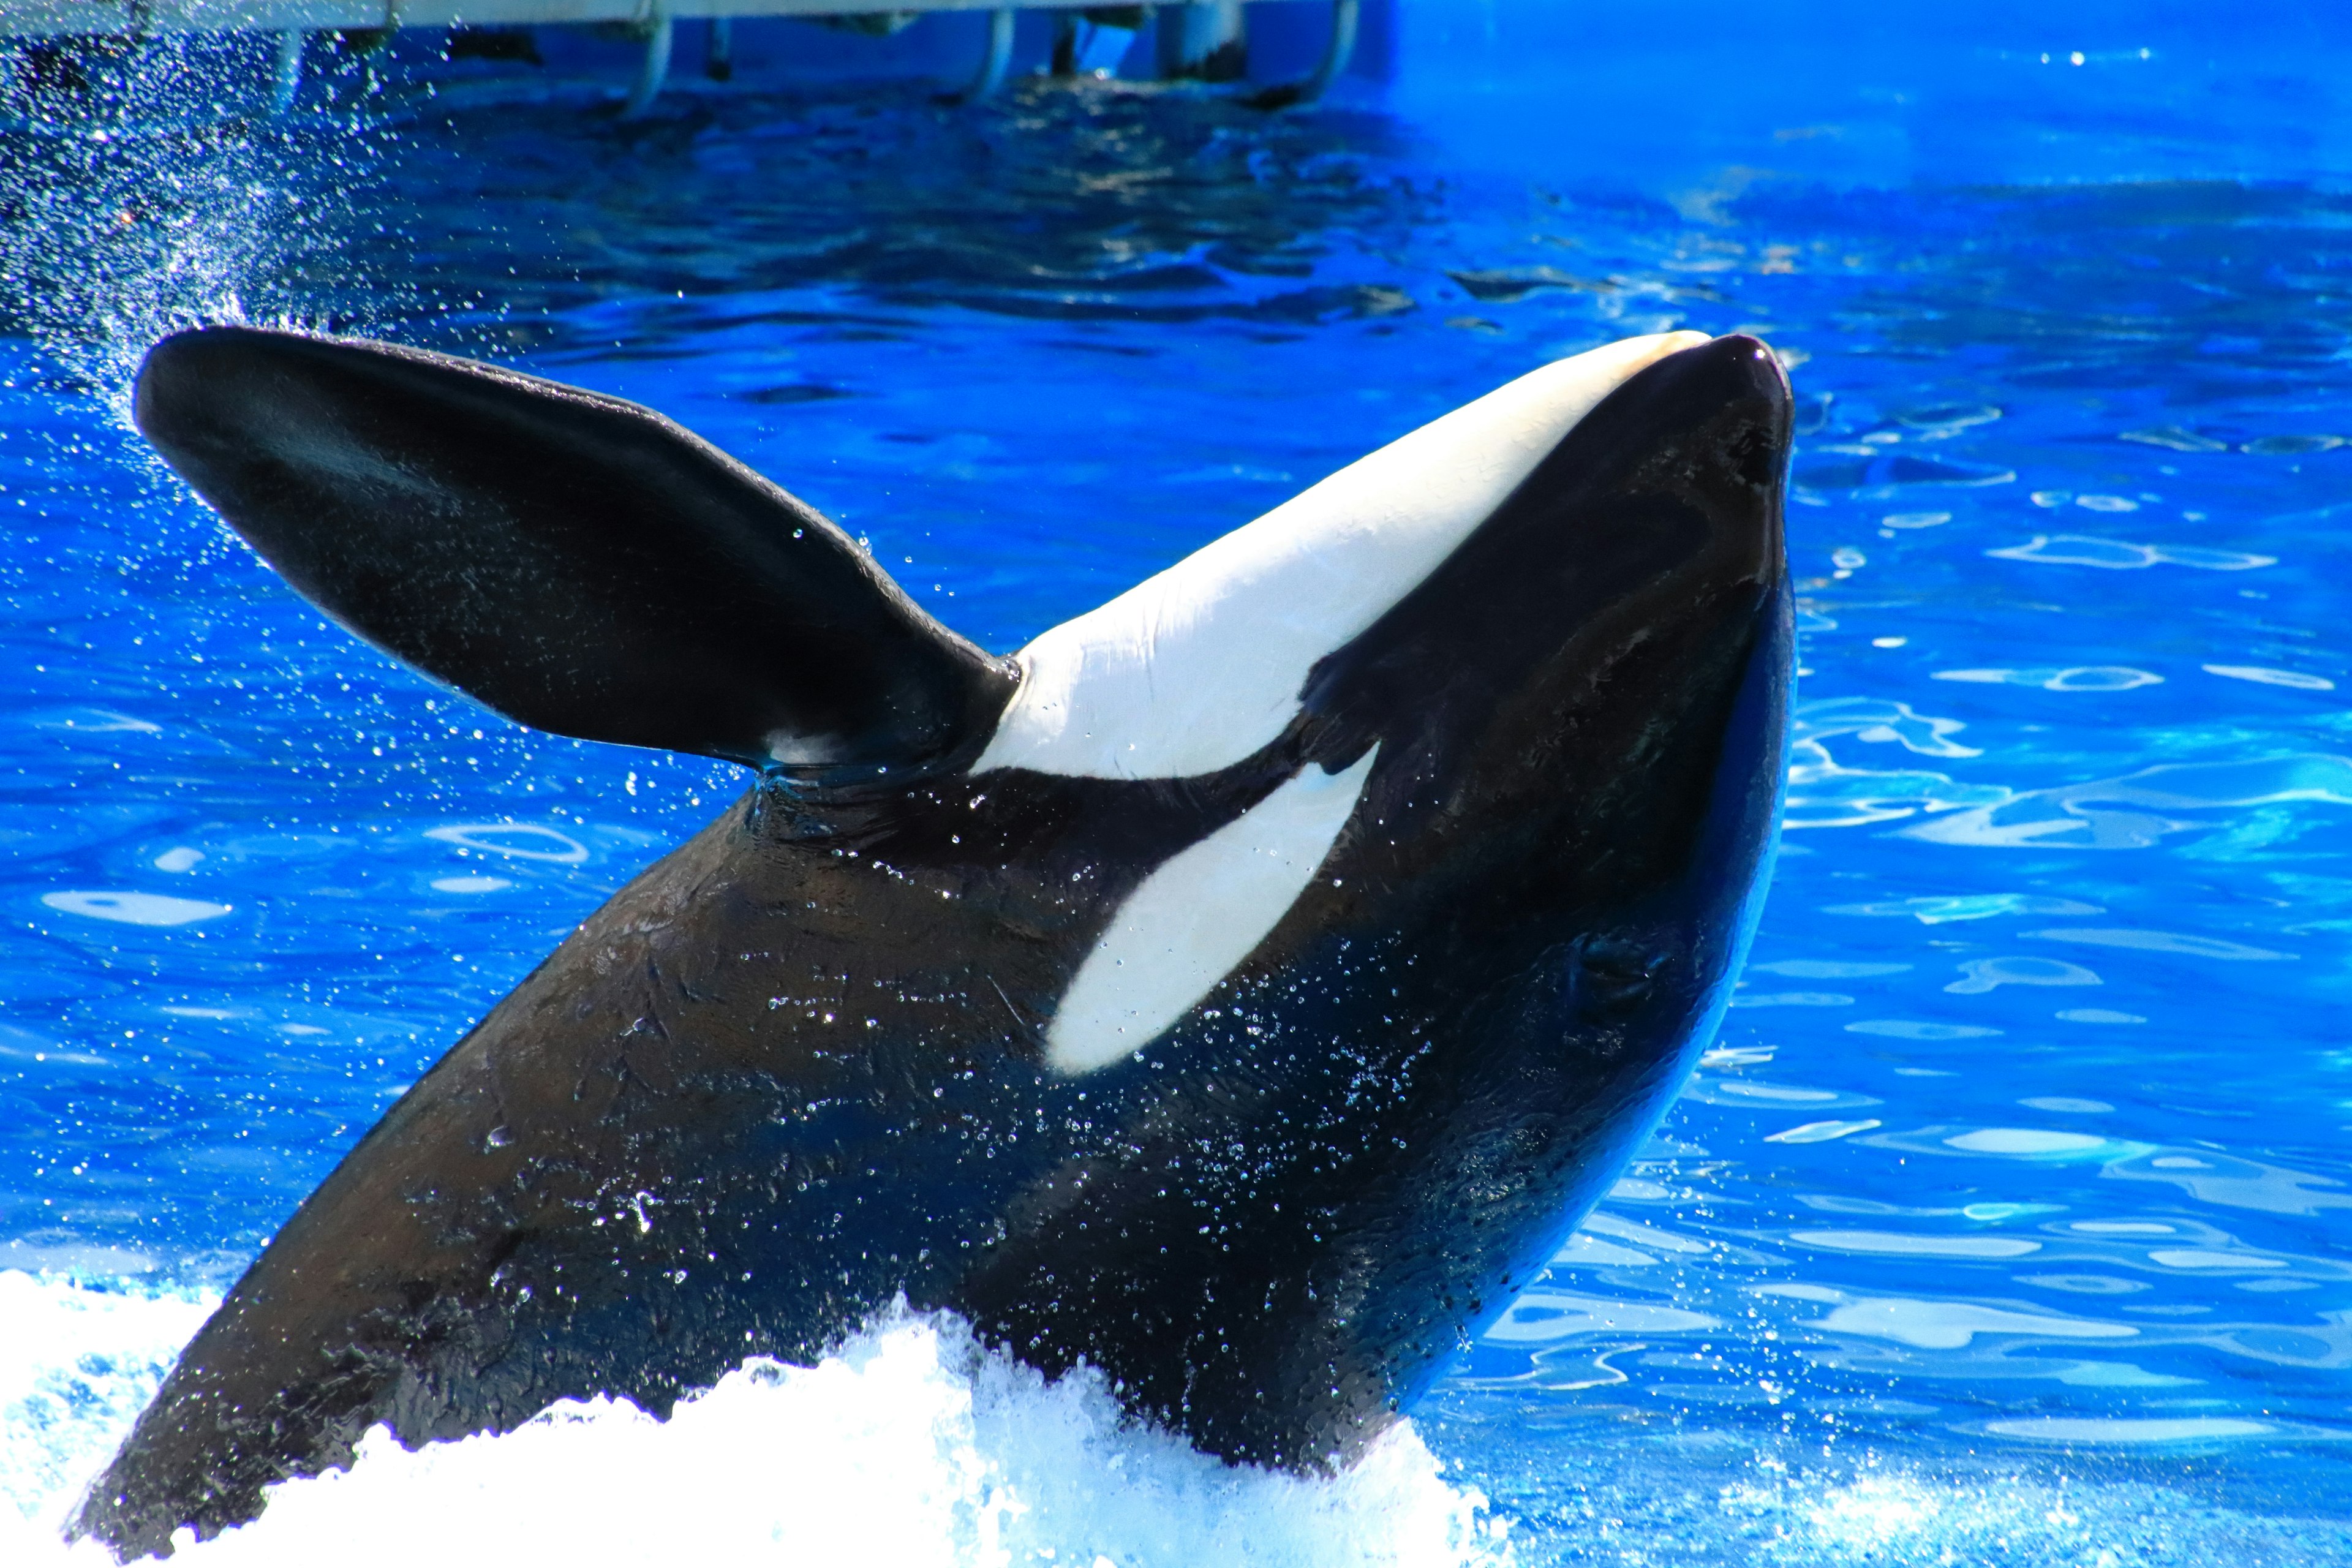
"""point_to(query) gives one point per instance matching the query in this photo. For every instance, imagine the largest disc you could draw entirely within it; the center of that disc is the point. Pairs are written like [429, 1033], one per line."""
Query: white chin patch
[1198, 915]
[1196, 669]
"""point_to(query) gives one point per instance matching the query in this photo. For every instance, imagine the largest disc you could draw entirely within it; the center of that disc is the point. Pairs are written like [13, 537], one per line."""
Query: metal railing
[1195, 40]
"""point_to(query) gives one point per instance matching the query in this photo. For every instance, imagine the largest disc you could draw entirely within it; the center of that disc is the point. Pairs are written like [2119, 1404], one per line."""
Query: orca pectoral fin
[579, 563]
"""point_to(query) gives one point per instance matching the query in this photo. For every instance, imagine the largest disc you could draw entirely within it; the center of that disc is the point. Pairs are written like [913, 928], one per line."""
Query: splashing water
[911, 1445]
[140, 199]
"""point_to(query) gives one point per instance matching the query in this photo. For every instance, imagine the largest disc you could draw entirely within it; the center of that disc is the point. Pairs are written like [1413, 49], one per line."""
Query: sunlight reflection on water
[1934, 1261]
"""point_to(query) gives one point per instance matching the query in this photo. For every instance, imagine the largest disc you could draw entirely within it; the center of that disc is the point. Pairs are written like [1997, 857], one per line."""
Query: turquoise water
[2011, 1219]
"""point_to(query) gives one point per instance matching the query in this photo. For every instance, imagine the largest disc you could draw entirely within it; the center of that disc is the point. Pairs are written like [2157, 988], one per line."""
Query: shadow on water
[1080, 201]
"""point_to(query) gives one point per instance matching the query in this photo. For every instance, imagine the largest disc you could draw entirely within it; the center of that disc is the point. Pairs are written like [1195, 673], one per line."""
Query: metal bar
[45, 18]
[1204, 41]
[653, 69]
[1336, 55]
[1345, 15]
[993, 63]
[719, 49]
[286, 71]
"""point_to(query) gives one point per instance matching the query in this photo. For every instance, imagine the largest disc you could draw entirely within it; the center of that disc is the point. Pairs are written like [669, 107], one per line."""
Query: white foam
[912, 1447]
[76, 1366]
[1195, 668]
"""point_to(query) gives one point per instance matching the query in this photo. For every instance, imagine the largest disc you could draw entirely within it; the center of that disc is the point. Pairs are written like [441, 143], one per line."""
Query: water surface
[2008, 1222]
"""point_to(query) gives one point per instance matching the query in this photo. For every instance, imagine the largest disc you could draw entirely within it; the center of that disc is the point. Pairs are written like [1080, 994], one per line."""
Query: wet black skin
[798, 1067]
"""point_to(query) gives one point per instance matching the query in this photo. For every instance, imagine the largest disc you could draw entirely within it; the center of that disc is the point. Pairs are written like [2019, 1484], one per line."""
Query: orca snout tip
[1742, 348]
[1750, 374]
[1741, 396]
[1763, 357]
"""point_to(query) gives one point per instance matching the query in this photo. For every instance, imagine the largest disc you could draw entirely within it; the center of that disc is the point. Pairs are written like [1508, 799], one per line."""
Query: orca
[1243, 989]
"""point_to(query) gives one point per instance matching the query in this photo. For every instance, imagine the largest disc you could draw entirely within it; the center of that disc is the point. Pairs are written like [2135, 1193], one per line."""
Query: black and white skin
[1241, 989]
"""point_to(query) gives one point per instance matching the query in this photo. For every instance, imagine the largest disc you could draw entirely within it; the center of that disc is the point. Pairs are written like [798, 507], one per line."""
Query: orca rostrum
[1241, 989]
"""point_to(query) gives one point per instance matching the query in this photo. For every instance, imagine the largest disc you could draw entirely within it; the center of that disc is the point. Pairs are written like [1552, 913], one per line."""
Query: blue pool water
[2009, 1222]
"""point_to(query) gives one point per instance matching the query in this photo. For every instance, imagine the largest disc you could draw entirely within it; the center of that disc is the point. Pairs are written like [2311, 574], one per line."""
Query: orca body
[1244, 989]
